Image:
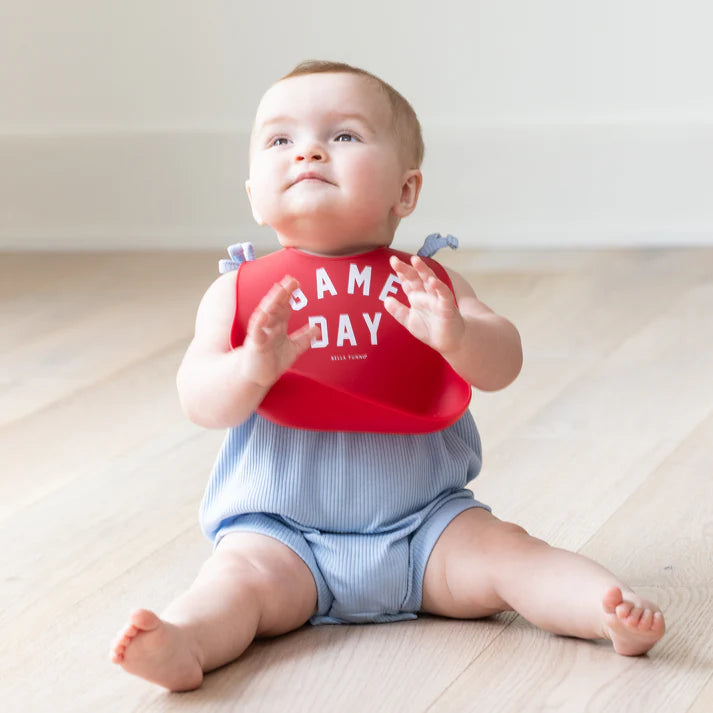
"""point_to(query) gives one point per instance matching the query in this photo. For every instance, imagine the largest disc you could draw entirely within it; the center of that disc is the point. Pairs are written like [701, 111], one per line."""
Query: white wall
[548, 122]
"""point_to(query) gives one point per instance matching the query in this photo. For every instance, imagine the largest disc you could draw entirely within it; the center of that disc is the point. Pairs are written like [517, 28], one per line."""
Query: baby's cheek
[380, 182]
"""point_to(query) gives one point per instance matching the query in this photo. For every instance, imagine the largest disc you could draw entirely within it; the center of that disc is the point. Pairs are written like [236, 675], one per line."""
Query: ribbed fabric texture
[363, 510]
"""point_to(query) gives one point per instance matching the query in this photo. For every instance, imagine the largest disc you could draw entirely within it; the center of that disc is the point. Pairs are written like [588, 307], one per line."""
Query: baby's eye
[279, 141]
[345, 136]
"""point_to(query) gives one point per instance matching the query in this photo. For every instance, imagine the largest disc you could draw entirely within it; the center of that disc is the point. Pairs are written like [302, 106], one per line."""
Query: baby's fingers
[419, 276]
[278, 297]
[261, 326]
[273, 312]
[398, 310]
[438, 289]
[420, 266]
[431, 282]
[302, 338]
[277, 300]
[429, 278]
[407, 274]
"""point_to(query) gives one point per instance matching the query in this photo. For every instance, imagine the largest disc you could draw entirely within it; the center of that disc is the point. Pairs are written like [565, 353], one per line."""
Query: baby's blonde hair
[406, 123]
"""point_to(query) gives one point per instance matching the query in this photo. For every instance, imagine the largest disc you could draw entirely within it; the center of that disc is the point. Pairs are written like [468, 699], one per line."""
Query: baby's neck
[341, 253]
[323, 242]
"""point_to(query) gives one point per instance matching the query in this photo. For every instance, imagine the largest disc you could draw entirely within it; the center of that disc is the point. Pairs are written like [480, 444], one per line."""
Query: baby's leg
[481, 566]
[251, 586]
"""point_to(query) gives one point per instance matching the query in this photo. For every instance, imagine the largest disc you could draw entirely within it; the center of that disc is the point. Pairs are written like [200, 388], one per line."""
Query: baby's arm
[219, 387]
[483, 347]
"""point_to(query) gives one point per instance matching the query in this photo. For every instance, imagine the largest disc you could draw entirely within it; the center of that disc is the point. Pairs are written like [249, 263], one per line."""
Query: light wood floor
[604, 445]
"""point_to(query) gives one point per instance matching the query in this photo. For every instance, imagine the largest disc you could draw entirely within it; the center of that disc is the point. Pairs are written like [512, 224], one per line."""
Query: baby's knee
[239, 571]
[503, 530]
[514, 534]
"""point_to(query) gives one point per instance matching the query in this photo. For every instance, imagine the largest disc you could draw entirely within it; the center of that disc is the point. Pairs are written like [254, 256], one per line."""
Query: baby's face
[325, 170]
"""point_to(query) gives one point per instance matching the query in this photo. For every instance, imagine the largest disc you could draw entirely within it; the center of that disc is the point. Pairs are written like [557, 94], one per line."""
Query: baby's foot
[633, 624]
[157, 651]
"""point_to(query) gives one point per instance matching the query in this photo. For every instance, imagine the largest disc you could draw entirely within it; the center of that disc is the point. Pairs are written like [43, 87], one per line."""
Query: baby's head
[335, 157]
[406, 126]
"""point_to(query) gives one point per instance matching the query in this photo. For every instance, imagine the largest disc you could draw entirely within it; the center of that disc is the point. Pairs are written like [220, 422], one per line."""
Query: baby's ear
[410, 188]
[256, 215]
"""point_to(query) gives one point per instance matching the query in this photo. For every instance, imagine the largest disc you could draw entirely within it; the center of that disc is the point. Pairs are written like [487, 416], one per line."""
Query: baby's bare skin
[158, 651]
[255, 586]
[479, 566]
[632, 623]
[170, 656]
[167, 655]
[252, 586]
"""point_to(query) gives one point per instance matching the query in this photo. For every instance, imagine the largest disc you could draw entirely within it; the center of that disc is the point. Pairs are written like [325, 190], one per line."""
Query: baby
[342, 370]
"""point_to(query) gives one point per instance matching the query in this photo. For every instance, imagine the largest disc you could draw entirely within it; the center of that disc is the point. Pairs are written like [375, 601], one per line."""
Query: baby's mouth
[310, 176]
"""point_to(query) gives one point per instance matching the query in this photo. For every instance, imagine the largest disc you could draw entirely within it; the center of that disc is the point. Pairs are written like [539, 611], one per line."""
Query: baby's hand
[268, 349]
[433, 316]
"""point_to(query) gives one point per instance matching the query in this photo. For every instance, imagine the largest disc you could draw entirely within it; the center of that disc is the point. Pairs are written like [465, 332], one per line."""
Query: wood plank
[569, 320]
[314, 669]
[72, 336]
[704, 701]
[606, 431]
[601, 445]
[671, 561]
[79, 536]
[79, 435]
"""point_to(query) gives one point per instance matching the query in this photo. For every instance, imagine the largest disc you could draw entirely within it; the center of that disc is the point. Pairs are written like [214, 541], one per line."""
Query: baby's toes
[647, 619]
[127, 633]
[125, 637]
[624, 610]
[634, 617]
[611, 600]
[118, 649]
[121, 643]
[658, 625]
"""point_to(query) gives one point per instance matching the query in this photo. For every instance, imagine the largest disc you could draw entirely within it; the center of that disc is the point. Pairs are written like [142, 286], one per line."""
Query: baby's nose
[311, 153]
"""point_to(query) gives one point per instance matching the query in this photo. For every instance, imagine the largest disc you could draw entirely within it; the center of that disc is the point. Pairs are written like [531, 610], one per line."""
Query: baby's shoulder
[223, 287]
[219, 298]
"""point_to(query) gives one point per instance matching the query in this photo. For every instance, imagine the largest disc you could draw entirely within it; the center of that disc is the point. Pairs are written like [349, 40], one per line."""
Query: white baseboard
[577, 185]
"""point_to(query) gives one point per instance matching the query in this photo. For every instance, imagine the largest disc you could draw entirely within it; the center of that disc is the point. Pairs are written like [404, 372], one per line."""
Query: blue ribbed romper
[362, 510]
